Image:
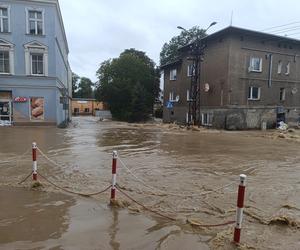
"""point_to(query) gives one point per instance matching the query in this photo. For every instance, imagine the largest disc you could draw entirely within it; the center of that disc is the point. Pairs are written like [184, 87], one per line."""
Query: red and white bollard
[240, 208]
[114, 176]
[34, 162]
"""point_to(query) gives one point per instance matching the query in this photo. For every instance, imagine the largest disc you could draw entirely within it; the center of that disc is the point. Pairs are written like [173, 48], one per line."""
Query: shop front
[6, 108]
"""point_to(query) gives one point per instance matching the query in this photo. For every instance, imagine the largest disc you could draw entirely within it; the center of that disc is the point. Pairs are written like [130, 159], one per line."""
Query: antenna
[231, 18]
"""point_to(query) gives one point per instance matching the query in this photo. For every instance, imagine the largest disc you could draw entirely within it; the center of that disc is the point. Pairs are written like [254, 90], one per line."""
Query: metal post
[34, 162]
[240, 208]
[114, 176]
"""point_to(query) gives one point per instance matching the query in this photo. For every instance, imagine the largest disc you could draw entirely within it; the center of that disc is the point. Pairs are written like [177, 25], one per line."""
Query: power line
[279, 26]
[286, 29]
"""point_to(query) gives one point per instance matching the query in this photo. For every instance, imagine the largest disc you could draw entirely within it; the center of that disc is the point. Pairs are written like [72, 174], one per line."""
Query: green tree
[85, 88]
[124, 78]
[170, 51]
[75, 79]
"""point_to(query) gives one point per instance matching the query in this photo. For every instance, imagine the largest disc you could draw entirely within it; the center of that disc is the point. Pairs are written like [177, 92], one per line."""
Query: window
[4, 62]
[282, 94]
[171, 96]
[86, 110]
[254, 93]
[190, 70]
[35, 22]
[173, 74]
[287, 69]
[255, 64]
[4, 19]
[279, 69]
[37, 64]
[6, 57]
[188, 97]
[206, 119]
[36, 59]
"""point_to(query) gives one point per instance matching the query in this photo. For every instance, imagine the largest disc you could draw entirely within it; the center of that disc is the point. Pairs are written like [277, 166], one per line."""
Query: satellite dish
[294, 90]
[206, 87]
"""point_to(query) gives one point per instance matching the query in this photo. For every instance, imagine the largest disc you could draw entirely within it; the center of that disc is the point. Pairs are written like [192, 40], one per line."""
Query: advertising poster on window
[37, 108]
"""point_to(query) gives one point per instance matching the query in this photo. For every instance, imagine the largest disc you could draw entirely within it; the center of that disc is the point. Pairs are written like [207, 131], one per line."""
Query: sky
[101, 29]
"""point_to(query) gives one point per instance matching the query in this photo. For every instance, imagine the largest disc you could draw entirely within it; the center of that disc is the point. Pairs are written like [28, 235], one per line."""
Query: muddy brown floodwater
[187, 175]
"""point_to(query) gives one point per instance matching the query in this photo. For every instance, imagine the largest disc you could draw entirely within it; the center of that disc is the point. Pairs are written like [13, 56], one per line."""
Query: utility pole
[196, 53]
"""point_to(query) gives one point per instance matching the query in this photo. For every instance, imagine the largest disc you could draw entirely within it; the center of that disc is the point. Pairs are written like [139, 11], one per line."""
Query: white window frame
[173, 74]
[8, 17]
[31, 62]
[7, 46]
[190, 71]
[188, 96]
[251, 93]
[171, 96]
[209, 117]
[279, 68]
[35, 48]
[251, 66]
[28, 19]
[288, 68]
[282, 94]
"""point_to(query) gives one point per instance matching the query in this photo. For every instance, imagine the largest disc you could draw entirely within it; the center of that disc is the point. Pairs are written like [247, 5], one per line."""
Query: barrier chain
[114, 186]
[72, 192]
[25, 179]
[172, 194]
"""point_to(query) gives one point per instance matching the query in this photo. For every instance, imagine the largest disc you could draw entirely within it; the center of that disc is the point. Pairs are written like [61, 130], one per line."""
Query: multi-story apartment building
[35, 76]
[247, 79]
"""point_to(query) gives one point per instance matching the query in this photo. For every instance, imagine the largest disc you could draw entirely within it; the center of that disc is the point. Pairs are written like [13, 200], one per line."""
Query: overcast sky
[101, 29]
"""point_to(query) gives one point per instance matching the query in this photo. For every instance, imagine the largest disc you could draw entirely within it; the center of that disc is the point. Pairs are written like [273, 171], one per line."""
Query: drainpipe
[270, 56]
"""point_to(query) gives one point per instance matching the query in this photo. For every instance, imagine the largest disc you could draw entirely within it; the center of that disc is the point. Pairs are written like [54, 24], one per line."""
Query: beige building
[86, 106]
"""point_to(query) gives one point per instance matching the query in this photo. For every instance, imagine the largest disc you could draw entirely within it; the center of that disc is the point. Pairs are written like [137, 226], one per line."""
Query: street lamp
[196, 51]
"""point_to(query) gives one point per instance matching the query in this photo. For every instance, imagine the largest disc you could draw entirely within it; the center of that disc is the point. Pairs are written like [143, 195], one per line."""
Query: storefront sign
[20, 99]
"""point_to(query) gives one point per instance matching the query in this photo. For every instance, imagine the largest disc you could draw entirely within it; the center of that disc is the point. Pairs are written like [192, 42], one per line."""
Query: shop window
[37, 105]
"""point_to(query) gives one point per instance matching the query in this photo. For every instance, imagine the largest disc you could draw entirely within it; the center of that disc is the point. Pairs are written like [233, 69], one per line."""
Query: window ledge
[33, 35]
[5, 33]
[36, 75]
[249, 99]
[255, 71]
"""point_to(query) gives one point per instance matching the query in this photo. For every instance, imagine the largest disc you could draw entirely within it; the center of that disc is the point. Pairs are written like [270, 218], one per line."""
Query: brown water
[184, 164]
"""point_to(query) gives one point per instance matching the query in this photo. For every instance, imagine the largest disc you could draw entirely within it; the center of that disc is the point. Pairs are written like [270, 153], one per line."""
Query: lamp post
[197, 49]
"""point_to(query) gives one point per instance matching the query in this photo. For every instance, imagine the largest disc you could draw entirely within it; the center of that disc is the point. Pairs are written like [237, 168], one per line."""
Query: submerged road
[171, 170]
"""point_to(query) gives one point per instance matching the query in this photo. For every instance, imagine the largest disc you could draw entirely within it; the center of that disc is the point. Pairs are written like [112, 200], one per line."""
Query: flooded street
[187, 175]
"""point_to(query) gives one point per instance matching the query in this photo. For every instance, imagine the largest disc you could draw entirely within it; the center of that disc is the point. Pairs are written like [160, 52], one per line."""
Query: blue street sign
[169, 105]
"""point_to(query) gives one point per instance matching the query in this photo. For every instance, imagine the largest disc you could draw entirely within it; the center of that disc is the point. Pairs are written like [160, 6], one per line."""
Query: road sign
[169, 105]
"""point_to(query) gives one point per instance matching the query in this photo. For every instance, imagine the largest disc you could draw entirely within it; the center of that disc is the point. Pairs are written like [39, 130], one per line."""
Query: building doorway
[5, 112]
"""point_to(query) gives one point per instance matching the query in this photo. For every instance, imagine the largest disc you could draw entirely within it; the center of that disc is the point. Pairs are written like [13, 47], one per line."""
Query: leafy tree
[85, 88]
[169, 50]
[126, 82]
[139, 104]
[75, 79]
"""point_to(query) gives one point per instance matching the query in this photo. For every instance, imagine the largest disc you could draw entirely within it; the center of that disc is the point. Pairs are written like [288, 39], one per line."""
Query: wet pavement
[171, 170]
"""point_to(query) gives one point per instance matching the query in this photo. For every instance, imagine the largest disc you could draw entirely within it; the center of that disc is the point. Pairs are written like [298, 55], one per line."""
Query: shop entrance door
[5, 112]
